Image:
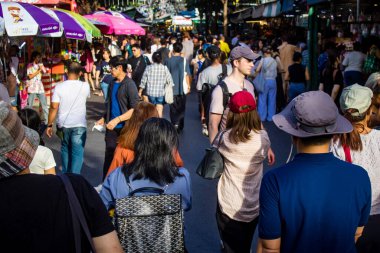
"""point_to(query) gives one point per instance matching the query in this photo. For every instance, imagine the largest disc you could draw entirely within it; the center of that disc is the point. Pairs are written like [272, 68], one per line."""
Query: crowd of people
[327, 199]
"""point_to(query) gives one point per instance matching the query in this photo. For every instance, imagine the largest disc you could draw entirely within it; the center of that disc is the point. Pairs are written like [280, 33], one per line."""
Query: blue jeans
[72, 149]
[352, 77]
[295, 89]
[156, 100]
[42, 98]
[104, 86]
[267, 100]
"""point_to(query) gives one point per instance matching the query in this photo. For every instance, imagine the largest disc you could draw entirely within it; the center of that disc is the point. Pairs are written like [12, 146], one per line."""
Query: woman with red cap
[244, 145]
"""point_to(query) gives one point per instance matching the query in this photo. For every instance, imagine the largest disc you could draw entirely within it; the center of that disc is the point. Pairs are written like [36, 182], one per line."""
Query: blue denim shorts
[156, 100]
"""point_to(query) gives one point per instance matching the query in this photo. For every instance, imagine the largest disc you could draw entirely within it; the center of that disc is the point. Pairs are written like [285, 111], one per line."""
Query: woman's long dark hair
[155, 147]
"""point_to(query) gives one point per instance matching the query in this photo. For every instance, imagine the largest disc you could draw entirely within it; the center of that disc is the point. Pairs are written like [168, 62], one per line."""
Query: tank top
[297, 73]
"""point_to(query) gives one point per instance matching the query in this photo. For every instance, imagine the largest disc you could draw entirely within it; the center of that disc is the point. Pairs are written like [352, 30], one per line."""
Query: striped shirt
[154, 79]
[239, 185]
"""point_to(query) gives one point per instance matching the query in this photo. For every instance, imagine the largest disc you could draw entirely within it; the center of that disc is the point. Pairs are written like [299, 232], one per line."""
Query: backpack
[150, 223]
[207, 90]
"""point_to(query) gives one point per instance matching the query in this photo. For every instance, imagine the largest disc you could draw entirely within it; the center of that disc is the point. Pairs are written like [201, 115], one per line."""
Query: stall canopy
[258, 11]
[238, 16]
[287, 5]
[272, 10]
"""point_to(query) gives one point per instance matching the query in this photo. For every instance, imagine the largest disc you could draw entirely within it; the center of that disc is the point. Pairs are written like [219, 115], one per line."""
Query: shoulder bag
[168, 91]
[78, 218]
[59, 131]
[212, 164]
[259, 81]
[149, 223]
[185, 83]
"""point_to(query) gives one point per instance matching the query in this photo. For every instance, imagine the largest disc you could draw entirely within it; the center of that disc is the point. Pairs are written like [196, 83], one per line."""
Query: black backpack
[207, 90]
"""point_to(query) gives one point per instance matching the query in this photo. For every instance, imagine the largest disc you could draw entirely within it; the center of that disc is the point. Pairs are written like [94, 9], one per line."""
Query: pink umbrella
[117, 25]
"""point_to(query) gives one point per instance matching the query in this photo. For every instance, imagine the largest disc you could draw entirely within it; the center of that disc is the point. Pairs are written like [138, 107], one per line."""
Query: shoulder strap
[221, 138]
[226, 94]
[347, 153]
[224, 70]
[142, 189]
[77, 214]
[71, 106]
[124, 170]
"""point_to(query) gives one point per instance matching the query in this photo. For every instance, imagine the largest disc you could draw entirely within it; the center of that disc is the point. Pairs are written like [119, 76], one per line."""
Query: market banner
[272, 10]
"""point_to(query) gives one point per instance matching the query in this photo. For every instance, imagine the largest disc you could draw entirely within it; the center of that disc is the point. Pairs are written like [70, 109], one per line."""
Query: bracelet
[51, 125]
[119, 119]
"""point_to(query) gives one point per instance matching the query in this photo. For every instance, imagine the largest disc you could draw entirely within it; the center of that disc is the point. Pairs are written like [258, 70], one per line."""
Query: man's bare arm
[269, 246]
[108, 243]
[213, 125]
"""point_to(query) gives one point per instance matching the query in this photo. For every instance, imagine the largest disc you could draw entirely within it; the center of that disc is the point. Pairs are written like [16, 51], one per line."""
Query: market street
[201, 230]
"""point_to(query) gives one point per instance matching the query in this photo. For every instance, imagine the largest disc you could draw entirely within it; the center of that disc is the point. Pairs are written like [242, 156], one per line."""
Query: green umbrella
[95, 32]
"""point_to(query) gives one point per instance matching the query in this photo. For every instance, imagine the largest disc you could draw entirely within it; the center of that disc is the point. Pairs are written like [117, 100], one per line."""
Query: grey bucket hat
[310, 114]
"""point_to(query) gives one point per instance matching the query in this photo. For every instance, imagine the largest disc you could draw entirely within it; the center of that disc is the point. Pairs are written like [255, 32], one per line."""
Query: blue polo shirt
[315, 204]
[115, 107]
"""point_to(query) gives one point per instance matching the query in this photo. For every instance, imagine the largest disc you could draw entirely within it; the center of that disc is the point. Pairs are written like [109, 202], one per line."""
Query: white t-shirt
[210, 75]
[42, 160]
[369, 159]
[216, 105]
[71, 96]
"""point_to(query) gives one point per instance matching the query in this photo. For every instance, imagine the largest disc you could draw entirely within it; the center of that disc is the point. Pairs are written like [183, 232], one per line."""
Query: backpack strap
[226, 94]
[224, 70]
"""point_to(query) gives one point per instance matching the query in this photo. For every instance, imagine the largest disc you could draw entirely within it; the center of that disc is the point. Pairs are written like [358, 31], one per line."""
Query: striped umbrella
[72, 29]
[2, 28]
[95, 32]
[22, 19]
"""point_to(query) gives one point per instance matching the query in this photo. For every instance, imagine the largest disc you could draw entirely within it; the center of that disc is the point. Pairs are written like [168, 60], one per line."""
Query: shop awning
[241, 15]
[287, 5]
[272, 10]
[258, 11]
[312, 2]
[41, 2]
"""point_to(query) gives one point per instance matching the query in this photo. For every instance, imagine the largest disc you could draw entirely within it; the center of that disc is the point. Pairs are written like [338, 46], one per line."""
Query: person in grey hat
[35, 215]
[362, 147]
[241, 59]
[317, 202]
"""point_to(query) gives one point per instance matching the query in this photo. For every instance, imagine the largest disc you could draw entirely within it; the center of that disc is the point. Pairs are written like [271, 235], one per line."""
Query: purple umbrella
[22, 19]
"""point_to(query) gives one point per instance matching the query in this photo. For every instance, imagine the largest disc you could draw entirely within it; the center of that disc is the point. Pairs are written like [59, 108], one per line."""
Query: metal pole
[51, 69]
[357, 10]
[313, 48]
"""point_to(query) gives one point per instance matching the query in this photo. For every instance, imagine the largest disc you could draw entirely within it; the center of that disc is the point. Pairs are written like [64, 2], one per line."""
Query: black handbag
[150, 223]
[212, 164]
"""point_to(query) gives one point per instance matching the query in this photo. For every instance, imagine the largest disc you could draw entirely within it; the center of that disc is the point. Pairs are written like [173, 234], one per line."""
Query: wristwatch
[51, 125]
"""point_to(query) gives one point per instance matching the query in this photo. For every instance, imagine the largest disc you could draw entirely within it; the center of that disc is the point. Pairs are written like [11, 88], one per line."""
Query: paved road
[201, 230]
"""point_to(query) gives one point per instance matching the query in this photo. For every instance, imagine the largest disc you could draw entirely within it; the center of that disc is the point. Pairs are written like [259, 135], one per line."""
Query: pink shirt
[35, 84]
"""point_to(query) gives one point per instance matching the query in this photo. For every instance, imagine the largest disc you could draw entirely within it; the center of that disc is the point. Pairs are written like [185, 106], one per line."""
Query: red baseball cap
[242, 102]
